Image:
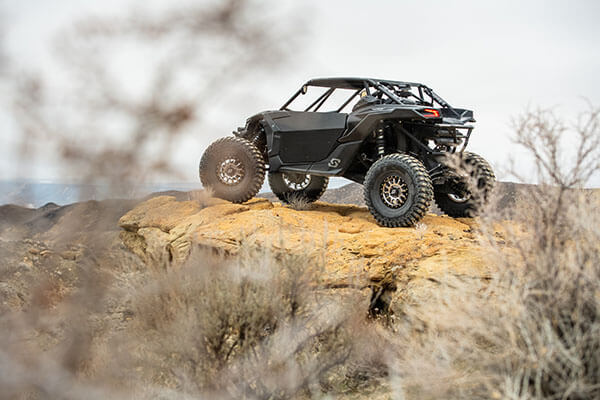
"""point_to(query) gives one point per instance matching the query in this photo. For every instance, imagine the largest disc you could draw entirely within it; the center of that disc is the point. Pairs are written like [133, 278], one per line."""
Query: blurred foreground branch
[132, 86]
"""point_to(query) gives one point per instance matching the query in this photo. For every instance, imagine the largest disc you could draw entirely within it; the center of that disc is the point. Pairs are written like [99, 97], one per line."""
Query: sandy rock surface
[355, 248]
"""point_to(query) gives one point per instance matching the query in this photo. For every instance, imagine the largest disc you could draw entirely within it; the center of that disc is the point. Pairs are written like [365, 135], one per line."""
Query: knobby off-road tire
[398, 190]
[290, 187]
[470, 194]
[233, 168]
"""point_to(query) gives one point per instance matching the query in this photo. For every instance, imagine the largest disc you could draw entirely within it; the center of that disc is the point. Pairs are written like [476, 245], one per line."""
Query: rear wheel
[464, 196]
[233, 168]
[398, 190]
[290, 186]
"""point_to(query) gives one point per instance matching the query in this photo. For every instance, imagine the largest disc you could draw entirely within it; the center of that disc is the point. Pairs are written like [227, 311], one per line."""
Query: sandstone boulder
[355, 249]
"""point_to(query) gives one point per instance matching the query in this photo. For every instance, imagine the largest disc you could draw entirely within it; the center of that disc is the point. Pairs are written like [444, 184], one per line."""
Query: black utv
[393, 137]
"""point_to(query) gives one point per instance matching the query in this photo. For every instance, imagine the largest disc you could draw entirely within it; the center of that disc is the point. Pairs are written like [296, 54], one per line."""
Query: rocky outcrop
[354, 247]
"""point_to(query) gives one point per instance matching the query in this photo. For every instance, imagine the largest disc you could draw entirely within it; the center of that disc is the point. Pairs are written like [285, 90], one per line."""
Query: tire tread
[422, 182]
[468, 209]
[258, 172]
[282, 192]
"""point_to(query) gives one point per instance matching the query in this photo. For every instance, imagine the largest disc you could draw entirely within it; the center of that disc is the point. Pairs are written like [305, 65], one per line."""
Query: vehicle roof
[354, 83]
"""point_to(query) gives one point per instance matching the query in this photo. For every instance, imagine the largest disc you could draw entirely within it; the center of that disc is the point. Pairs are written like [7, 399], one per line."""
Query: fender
[373, 115]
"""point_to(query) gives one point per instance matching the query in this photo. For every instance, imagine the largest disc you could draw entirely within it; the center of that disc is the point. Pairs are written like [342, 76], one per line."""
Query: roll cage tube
[439, 100]
[386, 87]
[327, 94]
[320, 100]
[287, 103]
[349, 100]
[421, 88]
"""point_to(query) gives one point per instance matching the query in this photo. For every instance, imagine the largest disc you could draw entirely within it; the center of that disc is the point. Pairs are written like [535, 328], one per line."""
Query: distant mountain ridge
[35, 194]
[352, 193]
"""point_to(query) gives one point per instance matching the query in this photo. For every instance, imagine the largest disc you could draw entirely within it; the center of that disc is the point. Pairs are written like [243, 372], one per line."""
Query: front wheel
[292, 187]
[463, 196]
[398, 190]
[233, 168]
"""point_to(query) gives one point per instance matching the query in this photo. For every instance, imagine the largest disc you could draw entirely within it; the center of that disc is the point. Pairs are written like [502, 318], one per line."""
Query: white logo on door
[334, 162]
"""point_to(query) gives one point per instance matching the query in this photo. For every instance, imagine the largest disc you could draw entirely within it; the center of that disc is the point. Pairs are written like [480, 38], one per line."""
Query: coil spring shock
[258, 139]
[255, 136]
[380, 143]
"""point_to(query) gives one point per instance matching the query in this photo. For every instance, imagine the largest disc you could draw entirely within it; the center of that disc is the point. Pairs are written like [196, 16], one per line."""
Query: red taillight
[431, 113]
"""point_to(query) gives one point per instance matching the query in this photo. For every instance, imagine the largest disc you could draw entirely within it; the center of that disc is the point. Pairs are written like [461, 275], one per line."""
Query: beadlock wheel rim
[231, 171]
[460, 193]
[296, 181]
[393, 191]
[457, 198]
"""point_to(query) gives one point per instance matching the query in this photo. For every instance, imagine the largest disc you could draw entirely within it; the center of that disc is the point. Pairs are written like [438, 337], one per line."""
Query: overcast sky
[497, 58]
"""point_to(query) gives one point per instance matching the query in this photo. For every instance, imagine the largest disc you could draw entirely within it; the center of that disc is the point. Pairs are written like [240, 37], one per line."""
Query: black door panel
[308, 136]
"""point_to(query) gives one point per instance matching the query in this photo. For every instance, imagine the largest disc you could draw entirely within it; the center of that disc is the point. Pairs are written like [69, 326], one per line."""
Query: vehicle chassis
[379, 125]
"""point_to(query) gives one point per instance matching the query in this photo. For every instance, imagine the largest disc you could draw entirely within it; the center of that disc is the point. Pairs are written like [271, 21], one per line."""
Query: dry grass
[253, 328]
[299, 202]
[258, 326]
[533, 332]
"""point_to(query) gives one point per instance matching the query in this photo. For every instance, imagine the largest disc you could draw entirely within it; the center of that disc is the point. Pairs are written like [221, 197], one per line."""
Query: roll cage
[390, 92]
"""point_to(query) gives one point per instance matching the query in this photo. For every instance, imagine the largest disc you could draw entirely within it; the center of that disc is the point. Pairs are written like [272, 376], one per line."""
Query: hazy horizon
[495, 58]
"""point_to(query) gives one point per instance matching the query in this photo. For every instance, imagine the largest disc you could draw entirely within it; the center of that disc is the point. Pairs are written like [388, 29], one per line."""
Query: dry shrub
[253, 327]
[51, 348]
[533, 332]
[257, 325]
[299, 202]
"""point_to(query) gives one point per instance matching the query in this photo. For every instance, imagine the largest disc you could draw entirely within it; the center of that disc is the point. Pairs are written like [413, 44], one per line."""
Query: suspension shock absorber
[260, 141]
[255, 137]
[380, 142]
